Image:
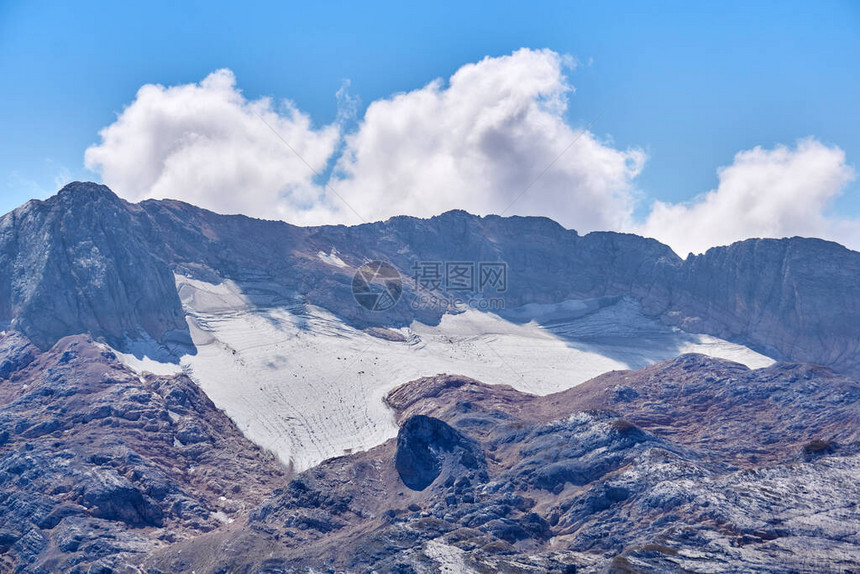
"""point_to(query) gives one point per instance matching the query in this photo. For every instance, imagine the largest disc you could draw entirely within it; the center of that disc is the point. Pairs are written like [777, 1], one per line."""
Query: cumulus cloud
[480, 140]
[474, 142]
[775, 192]
[208, 145]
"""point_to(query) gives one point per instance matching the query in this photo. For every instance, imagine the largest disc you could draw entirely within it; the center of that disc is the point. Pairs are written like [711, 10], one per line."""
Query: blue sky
[691, 84]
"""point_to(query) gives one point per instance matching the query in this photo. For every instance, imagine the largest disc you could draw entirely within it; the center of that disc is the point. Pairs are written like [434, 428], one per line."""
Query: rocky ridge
[85, 261]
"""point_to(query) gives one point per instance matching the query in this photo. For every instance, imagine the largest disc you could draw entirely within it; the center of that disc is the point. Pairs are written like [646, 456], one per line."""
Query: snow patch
[221, 517]
[146, 356]
[332, 258]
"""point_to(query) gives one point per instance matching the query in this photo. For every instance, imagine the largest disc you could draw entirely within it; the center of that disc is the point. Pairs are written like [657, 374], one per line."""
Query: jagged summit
[86, 191]
[81, 262]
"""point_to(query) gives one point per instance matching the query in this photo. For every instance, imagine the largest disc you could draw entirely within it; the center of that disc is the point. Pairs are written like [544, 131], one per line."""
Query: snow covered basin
[303, 384]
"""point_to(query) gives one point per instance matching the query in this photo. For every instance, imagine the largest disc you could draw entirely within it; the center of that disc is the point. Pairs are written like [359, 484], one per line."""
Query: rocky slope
[692, 465]
[84, 261]
[81, 262]
[99, 466]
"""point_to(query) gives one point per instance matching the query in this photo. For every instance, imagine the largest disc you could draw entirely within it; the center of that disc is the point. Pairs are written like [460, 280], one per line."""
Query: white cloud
[347, 104]
[474, 142]
[206, 144]
[764, 193]
[478, 141]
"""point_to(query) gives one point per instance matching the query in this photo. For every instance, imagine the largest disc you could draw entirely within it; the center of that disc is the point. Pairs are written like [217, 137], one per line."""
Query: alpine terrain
[183, 391]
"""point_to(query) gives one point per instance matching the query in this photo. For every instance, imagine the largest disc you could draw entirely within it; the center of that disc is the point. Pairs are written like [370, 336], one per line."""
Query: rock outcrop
[82, 262]
[426, 445]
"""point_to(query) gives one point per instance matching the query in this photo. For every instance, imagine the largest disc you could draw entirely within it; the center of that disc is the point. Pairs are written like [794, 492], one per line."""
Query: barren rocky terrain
[99, 466]
[118, 317]
[693, 465]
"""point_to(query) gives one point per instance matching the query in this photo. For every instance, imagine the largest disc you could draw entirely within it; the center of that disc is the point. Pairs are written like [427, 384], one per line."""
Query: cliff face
[85, 261]
[799, 297]
[80, 262]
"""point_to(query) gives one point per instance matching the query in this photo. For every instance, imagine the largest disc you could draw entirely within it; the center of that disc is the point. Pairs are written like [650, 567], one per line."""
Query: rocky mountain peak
[81, 262]
[86, 191]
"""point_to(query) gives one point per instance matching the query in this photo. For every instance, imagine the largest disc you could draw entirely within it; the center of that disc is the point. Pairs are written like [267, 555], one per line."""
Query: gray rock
[80, 262]
[424, 443]
[110, 496]
[77, 493]
[16, 352]
[665, 477]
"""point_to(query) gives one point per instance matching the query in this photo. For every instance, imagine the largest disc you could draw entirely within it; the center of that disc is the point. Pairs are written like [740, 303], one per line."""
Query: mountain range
[183, 391]
[85, 261]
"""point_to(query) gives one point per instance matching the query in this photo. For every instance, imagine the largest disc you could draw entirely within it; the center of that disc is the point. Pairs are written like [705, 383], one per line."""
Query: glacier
[299, 381]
